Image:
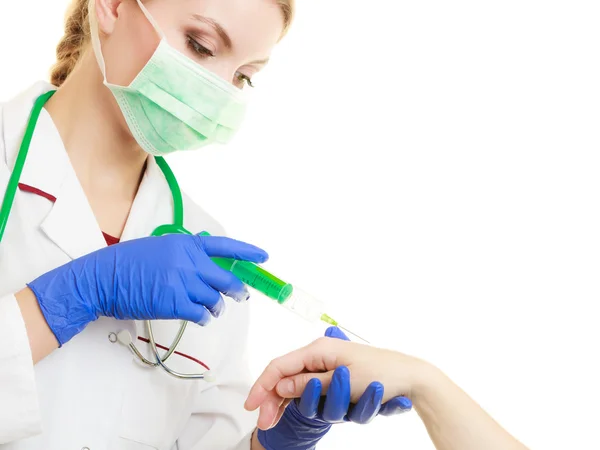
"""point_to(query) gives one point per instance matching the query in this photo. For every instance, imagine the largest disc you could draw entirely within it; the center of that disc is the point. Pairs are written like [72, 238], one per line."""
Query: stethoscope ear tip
[124, 337]
[209, 377]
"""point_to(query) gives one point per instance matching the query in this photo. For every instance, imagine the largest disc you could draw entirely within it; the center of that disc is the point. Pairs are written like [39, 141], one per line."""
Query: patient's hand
[287, 377]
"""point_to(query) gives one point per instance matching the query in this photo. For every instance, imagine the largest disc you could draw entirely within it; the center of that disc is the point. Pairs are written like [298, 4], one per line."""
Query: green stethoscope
[176, 227]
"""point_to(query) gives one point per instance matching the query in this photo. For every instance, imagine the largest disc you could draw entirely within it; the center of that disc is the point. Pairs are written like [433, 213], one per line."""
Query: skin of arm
[453, 420]
[41, 339]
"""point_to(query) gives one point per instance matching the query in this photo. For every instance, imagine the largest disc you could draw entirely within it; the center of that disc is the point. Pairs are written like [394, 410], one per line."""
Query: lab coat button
[85, 448]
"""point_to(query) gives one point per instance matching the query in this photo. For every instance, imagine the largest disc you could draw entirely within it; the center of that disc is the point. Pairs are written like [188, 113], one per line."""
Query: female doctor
[80, 171]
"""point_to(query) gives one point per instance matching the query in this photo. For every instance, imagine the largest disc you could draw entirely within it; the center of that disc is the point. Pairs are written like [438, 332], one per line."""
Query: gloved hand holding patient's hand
[289, 376]
[167, 277]
[329, 393]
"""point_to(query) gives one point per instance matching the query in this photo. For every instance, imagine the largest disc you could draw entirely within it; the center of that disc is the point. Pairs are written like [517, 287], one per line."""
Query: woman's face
[232, 38]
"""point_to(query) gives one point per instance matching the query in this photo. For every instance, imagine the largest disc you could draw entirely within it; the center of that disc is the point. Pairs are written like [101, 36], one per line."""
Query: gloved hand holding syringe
[288, 296]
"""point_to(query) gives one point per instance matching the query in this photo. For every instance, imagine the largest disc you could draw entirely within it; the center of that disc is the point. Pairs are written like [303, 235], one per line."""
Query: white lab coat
[92, 393]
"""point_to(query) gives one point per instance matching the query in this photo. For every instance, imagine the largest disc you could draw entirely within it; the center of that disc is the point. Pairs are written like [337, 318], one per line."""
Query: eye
[199, 49]
[243, 79]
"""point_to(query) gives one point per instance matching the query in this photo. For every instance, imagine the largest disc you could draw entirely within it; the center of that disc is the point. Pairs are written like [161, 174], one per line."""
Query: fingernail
[286, 386]
[219, 310]
[242, 296]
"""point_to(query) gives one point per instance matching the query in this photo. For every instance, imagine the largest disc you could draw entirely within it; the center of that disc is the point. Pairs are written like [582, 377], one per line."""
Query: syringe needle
[353, 334]
[327, 319]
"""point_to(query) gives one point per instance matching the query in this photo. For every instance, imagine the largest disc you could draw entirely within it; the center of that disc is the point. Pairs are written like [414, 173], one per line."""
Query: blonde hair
[77, 35]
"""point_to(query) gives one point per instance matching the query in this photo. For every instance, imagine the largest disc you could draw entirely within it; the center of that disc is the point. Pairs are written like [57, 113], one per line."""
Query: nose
[224, 69]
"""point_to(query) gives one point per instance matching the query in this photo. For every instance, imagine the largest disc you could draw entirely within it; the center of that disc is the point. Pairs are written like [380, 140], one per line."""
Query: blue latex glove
[167, 277]
[396, 405]
[306, 421]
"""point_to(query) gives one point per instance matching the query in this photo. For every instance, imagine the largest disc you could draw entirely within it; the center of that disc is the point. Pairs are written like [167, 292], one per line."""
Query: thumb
[293, 387]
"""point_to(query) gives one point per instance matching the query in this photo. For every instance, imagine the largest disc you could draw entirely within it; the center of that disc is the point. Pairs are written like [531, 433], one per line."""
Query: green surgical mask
[174, 103]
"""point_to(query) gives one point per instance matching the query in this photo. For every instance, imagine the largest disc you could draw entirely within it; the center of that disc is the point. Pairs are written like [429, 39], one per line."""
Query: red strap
[34, 190]
[162, 347]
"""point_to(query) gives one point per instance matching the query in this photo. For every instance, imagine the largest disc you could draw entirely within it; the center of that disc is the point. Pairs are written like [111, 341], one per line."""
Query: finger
[282, 408]
[396, 405]
[269, 410]
[224, 247]
[309, 402]
[368, 405]
[294, 386]
[203, 294]
[315, 357]
[338, 396]
[192, 312]
[225, 282]
[336, 333]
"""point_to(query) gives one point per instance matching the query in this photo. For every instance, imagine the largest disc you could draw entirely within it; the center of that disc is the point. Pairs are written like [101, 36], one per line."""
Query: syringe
[291, 298]
[283, 293]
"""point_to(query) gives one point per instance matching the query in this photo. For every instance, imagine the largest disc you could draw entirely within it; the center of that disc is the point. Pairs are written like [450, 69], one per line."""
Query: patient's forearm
[455, 422]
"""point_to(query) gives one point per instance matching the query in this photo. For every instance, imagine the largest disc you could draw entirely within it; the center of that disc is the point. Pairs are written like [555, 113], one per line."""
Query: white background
[431, 170]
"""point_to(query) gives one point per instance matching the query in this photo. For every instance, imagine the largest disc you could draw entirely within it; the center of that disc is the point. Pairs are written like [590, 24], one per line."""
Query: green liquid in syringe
[258, 278]
[302, 304]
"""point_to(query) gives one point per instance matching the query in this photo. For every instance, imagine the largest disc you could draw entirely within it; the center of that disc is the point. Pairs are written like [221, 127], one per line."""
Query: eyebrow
[224, 36]
[217, 27]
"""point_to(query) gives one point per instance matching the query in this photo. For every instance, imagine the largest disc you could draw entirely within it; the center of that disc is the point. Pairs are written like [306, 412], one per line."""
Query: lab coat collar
[45, 167]
[71, 223]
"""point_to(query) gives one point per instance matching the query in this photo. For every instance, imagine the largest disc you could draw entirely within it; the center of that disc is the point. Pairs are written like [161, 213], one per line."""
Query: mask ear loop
[151, 20]
[95, 33]
[95, 37]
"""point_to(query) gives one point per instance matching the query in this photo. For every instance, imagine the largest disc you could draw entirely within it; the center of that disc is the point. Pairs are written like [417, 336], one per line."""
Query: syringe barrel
[293, 299]
[306, 306]
[257, 278]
